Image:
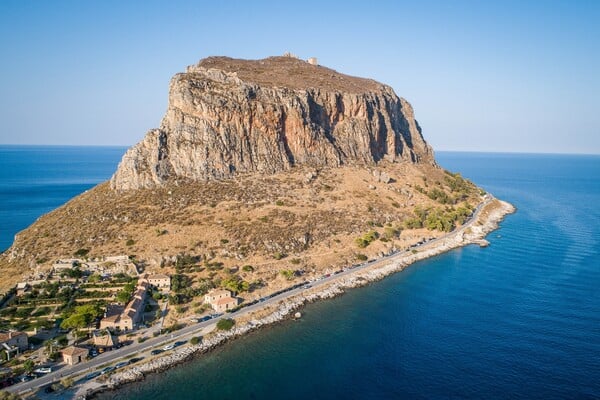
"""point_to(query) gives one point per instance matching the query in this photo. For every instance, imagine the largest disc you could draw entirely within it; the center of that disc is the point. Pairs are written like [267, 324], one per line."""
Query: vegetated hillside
[304, 219]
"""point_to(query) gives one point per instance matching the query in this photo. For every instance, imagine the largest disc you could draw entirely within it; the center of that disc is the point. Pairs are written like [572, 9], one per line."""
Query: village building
[22, 288]
[110, 322]
[104, 340]
[160, 281]
[129, 317]
[73, 355]
[123, 259]
[107, 265]
[220, 300]
[61, 265]
[224, 304]
[13, 342]
[215, 295]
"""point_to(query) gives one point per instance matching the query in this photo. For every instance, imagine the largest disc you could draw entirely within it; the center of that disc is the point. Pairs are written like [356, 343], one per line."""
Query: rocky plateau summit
[227, 117]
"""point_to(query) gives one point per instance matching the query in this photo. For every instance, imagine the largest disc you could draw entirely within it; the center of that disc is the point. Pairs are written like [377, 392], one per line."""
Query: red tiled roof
[71, 351]
[226, 300]
[6, 336]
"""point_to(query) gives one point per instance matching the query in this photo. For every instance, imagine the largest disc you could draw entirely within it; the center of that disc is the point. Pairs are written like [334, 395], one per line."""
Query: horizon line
[434, 150]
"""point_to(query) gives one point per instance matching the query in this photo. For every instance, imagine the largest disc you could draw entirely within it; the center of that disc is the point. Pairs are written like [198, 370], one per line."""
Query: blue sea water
[519, 319]
[36, 179]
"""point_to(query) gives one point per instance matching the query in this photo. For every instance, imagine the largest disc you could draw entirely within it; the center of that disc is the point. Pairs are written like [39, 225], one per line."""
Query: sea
[519, 319]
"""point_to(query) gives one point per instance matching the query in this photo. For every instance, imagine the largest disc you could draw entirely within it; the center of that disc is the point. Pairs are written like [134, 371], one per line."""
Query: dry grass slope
[303, 219]
[291, 73]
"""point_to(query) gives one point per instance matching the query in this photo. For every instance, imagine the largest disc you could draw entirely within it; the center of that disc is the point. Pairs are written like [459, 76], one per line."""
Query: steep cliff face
[227, 117]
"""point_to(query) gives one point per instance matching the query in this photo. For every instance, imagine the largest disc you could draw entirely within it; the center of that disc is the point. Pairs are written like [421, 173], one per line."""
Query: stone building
[129, 317]
[74, 355]
[224, 304]
[13, 342]
[104, 340]
[160, 281]
[220, 300]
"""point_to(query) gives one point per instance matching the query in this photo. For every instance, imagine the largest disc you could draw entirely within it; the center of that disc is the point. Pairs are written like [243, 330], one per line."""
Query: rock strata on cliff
[227, 117]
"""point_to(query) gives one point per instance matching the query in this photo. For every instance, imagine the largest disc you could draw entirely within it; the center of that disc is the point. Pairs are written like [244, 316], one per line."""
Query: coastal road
[111, 357]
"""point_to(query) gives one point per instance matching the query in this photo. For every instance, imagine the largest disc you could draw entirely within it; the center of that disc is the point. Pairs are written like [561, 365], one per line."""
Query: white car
[169, 347]
[43, 370]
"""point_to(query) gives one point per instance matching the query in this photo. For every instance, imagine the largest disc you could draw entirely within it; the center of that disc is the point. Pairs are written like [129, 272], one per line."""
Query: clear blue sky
[482, 76]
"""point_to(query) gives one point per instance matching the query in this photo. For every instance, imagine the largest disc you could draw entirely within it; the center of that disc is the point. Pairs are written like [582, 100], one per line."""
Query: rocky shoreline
[487, 221]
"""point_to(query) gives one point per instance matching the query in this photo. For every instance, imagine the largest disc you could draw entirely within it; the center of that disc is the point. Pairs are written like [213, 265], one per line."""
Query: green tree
[9, 396]
[81, 252]
[180, 282]
[82, 316]
[121, 277]
[235, 283]
[195, 340]
[366, 239]
[67, 382]
[74, 273]
[361, 257]
[288, 274]
[156, 295]
[28, 366]
[225, 324]
[125, 294]
[390, 232]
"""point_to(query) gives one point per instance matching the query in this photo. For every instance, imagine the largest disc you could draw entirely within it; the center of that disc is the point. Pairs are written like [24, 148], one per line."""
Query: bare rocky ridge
[228, 117]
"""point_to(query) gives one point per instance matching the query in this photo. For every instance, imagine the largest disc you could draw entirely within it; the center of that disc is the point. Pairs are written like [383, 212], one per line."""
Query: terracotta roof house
[129, 316]
[104, 339]
[224, 304]
[215, 295]
[14, 339]
[220, 300]
[74, 355]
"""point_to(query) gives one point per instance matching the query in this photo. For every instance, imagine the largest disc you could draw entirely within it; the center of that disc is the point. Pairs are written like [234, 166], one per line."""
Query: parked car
[26, 378]
[156, 351]
[107, 370]
[43, 370]
[121, 364]
[92, 375]
[169, 347]
[180, 343]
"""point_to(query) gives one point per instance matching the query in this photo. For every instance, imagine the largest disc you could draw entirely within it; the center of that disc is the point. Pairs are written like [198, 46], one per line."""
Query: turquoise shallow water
[519, 319]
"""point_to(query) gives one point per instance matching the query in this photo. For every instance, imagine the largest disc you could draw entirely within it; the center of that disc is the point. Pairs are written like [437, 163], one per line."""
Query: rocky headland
[282, 167]
[262, 176]
[227, 117]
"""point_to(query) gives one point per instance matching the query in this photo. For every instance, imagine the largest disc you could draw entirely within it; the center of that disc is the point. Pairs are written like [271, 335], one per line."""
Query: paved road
[111, 357]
